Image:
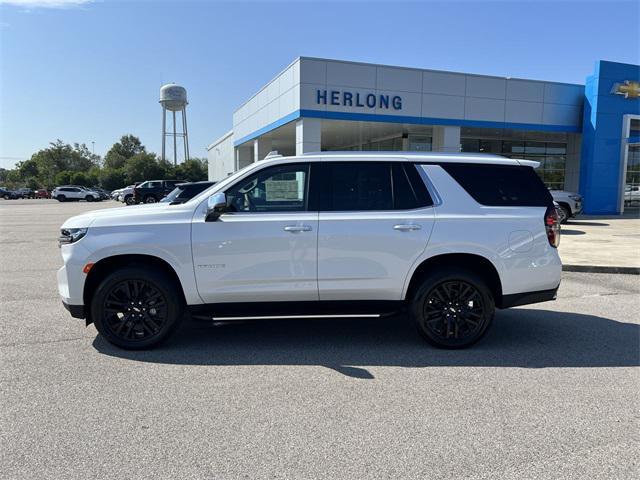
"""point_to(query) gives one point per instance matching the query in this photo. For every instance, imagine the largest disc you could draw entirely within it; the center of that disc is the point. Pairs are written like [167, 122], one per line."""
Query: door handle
[407, 227]
[297, 228]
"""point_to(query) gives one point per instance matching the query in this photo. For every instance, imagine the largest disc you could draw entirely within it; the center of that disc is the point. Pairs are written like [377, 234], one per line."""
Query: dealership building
[586, 137]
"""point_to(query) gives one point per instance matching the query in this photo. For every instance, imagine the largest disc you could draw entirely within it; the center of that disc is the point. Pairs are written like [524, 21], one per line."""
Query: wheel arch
[106, 265]
[475, 263]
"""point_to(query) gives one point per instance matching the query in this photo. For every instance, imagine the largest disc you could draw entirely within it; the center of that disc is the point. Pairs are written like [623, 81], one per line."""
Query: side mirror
[216, 206]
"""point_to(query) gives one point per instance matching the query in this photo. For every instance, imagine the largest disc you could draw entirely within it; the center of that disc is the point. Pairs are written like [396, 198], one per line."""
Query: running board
[295, 310]
[287, 317]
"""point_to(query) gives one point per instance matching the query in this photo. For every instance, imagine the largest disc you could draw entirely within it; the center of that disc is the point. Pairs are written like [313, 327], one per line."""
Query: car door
[264, 247]
[375, 220]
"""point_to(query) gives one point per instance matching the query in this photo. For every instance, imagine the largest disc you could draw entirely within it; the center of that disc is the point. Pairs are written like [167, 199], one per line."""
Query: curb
[601, 269]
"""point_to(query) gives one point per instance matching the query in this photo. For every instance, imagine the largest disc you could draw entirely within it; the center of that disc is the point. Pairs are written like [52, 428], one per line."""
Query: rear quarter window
[501, 185]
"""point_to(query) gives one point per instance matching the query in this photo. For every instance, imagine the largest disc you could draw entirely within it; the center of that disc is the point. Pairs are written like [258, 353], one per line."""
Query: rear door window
[409, 190]
[501, 185]
[356, 186]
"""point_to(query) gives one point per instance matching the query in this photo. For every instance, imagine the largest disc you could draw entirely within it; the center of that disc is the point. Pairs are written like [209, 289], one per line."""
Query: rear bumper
[527, 298]
[76, 311]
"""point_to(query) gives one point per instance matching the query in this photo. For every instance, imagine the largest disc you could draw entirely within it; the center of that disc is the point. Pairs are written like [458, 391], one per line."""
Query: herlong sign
[361, 100]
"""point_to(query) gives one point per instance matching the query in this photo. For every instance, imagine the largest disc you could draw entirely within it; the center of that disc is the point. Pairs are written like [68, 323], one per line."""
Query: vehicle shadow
[581, 223]
[523, 338]
[568, 231]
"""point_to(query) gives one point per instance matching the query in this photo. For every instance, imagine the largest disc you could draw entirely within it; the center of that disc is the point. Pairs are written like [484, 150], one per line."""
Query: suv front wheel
[452, 308]
[136, 308]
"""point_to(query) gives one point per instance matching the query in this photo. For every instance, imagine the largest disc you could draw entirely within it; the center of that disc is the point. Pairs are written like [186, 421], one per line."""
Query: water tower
[174, 98]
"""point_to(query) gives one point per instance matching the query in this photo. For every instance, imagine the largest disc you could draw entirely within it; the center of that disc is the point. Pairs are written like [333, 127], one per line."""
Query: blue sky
[91, 71]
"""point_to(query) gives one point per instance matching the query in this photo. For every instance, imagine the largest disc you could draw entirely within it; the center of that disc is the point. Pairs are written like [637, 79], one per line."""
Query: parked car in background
[570, 202]
[104, 195]
[125, 195]
[185, 192]
[8, 194]
[26, 193]
[66, 193]
[364, 234]
[153, 191]
[631, 196]
[42, 193]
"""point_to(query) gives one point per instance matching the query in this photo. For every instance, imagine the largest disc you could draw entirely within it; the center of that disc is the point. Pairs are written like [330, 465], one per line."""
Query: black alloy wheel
[453, 308]
[61, 198]
[136, 308]
[150, 199]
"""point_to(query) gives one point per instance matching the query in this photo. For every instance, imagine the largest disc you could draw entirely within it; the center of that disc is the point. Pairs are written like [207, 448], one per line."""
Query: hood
[131, 215]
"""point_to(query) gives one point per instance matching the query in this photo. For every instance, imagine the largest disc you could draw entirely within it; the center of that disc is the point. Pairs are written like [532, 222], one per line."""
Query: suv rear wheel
[136, 308]
[61, 198]
[150, 199]
[129, 200]
[453, 308]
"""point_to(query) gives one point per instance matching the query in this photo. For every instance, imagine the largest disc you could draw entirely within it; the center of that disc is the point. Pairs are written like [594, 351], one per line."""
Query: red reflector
[87, 267]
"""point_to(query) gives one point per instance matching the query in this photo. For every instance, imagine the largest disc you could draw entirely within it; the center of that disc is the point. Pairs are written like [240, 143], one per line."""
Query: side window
[282, 188]
[353, 186]
[501, 185]
[152, 185]
[409, 190]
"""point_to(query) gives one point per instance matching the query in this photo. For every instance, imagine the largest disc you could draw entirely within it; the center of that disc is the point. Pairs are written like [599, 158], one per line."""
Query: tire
[89, 198]
[129, 200]
[442, 318]
[7, 197]
[566, 211]
[150, 199]
[135, 326]
[61, 198]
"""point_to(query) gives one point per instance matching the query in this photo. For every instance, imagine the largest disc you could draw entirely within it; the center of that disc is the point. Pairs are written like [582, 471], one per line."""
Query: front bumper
[578, 209]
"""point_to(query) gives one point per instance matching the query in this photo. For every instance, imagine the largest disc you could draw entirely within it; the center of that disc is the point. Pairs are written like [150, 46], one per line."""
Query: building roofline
[434, 70]
[223, 137]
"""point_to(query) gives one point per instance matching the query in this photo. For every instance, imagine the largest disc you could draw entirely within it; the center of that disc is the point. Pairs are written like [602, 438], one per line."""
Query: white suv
[67, 193]
[445, 237]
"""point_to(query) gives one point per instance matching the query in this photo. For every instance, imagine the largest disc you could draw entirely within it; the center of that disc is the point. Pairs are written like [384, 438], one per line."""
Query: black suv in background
[153, 191]
[185, 192]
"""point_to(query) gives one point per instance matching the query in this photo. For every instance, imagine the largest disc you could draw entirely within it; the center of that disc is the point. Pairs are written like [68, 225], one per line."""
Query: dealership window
[552, 156]
[420, 143]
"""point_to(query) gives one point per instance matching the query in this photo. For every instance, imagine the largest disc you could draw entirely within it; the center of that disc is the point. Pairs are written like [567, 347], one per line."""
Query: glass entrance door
[631, 192]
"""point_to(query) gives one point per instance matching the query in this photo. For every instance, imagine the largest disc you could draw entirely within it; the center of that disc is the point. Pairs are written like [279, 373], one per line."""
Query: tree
[192, 170]
[63, 178]
[59, 157]
[128, 146]
[144, 166]
[28, 168]
[80, 178]
[32, 183]
[112, 178]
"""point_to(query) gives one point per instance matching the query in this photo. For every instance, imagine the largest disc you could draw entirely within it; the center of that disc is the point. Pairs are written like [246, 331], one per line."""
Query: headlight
[575, 197]
[71, 235]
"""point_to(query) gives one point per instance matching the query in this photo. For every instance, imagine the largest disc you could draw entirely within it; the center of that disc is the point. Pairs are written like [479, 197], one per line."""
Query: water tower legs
[175, 134]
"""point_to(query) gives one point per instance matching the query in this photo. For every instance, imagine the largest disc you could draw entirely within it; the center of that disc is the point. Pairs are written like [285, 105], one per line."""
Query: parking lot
[551, 392]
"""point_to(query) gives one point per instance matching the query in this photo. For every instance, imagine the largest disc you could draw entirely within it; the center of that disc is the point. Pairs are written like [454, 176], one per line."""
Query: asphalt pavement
[550, 393]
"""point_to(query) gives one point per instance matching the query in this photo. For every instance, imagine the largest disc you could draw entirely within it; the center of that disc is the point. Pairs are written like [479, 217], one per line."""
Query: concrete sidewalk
[601, 244]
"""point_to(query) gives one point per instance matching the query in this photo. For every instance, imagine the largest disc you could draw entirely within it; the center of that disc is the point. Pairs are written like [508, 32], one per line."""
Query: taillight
[552, 226]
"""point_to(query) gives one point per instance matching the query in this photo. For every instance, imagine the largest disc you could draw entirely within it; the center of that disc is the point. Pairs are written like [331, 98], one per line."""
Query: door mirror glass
[216, 206]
